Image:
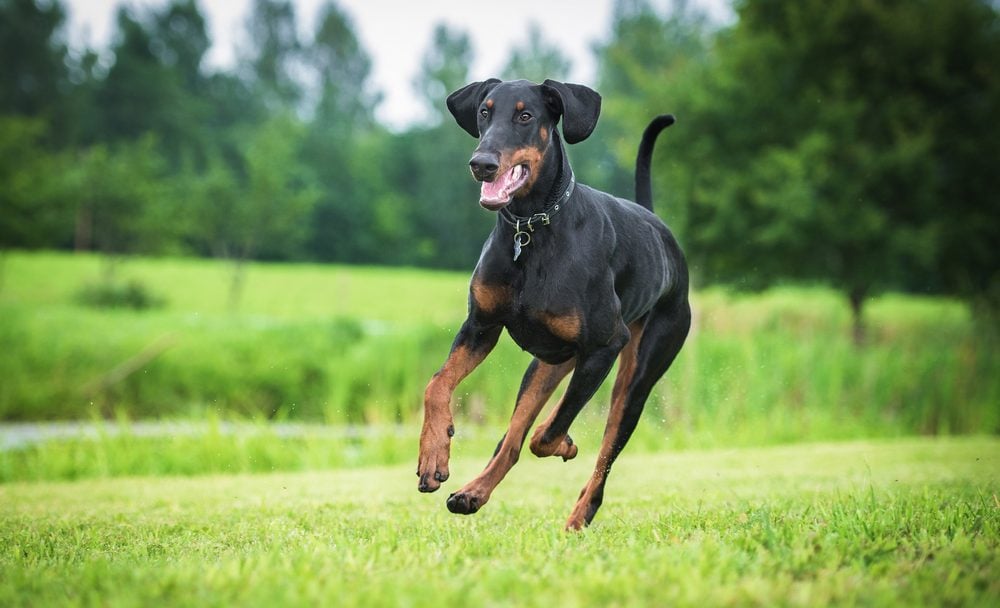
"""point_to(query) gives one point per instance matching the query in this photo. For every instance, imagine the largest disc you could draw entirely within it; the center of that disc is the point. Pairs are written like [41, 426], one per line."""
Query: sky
[396, 34]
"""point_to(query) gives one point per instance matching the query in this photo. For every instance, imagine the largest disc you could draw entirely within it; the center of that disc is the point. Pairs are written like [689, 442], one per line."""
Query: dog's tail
[643, 181]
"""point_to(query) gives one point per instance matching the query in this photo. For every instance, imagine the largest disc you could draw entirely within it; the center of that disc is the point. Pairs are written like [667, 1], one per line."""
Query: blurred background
[261, 211]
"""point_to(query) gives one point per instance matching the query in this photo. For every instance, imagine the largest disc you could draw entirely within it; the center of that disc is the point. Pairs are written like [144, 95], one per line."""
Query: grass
[347, 345]
[900, 522]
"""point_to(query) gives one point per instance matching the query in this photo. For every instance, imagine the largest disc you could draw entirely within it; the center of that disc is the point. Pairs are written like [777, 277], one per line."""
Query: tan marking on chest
[565, 326]
[489, 298]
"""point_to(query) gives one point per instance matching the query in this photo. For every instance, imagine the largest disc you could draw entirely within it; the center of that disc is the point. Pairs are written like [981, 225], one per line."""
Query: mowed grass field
[912, 522]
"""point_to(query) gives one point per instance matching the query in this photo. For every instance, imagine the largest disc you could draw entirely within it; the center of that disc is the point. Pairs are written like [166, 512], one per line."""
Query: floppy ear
[579, 106]
[464, 104]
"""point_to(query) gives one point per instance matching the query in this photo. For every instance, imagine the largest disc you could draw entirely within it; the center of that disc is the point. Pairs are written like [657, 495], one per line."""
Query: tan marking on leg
[559, 446]
[541, 386]
[438, 427]
[627, 362]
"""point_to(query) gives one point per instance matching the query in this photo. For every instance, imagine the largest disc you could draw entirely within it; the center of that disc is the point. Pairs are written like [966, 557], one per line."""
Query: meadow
[778, 463]
[903, 522]
[355, 346]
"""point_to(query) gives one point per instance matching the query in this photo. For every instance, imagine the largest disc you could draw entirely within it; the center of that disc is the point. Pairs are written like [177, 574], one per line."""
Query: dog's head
[515, 122]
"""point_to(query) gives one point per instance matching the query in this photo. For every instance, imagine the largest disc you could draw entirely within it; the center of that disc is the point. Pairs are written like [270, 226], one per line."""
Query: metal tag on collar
[521, 239]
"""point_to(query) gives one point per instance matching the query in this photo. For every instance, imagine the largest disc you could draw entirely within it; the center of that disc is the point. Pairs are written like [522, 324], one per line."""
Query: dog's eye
[484, 113]
[524, 117]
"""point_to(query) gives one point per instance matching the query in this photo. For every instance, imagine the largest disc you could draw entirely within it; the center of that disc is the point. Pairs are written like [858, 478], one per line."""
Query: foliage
[443, 69]
[537, 60]
[843, 143]
[118, 294]
[36, 209]
[841, 162]
[898, 523]
[33, 73]
[347, 345]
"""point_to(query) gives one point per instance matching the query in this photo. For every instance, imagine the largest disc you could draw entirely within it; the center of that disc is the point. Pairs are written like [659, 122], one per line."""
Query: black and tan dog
[578, 278]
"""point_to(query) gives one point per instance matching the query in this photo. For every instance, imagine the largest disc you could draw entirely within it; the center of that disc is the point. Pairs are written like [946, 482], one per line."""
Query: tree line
[823, 141]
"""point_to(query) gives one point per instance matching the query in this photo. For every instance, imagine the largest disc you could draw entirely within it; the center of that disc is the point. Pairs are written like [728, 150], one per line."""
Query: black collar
[524, 227]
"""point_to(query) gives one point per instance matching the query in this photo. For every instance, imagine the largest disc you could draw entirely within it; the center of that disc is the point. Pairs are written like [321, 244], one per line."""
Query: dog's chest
[543, 317]
[550, 335]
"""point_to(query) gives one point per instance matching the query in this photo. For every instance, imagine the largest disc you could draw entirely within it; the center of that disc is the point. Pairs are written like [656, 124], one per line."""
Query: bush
[119, 294]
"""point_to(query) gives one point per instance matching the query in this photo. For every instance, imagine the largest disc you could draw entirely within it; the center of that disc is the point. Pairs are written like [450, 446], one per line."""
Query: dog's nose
[484, 166]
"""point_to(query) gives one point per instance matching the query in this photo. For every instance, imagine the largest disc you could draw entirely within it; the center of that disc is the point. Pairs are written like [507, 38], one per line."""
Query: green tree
[270, 222]
[274, 55]
[35, 199]
[536, 60]
[443, 69]
[125, 205]
[340, 146]
[650, 65]
[832, 141]
[33, 72]
[447, 224]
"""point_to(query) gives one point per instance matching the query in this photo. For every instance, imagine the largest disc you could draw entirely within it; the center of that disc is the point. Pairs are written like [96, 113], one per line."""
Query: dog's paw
[464, 503]
[567, 449]
[432, 465]
[560, 446]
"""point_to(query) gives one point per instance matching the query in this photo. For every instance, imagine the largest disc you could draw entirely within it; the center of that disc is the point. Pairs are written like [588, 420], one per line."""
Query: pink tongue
[498, 189]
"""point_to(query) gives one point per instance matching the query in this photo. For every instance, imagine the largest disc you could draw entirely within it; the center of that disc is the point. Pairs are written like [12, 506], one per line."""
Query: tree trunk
[82, 236]
[857, 298]
[236, 284]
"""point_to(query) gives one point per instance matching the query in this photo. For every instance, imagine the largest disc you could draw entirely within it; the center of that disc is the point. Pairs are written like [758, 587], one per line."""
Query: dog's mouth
[496, 194]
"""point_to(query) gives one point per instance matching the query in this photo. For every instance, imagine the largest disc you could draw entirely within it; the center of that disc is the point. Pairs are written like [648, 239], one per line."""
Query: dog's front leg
[473, 342]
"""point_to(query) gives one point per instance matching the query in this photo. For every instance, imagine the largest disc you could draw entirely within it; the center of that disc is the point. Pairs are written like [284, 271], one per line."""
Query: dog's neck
[555, 171]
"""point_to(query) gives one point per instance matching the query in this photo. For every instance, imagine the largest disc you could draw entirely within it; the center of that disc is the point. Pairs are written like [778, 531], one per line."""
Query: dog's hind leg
[540, 381]
[643, 361]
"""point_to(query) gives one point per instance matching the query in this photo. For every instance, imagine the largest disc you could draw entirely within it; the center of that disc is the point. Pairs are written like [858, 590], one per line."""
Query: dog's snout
[484, 166]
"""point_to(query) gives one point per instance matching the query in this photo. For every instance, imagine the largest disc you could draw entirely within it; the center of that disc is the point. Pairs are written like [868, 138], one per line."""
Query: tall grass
[350, 345]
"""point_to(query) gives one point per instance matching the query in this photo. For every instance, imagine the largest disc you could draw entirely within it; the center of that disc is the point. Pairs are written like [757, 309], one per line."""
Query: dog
[577, 277]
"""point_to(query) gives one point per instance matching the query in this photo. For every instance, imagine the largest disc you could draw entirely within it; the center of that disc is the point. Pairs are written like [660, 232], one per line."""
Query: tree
[339, 146]
[838, 164]
[125, 206]
[537, 60]
[443, 69]
[650, 65]
[35, 200]
[446, 222]
[343, 70]
[273, 55]
[155, 84]
[33, 73]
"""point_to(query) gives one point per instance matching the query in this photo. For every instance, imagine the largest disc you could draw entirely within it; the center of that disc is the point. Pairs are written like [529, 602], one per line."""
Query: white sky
[396, 34]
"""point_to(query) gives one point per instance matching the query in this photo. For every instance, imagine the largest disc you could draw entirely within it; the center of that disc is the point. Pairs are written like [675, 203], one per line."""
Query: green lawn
[901, 522]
